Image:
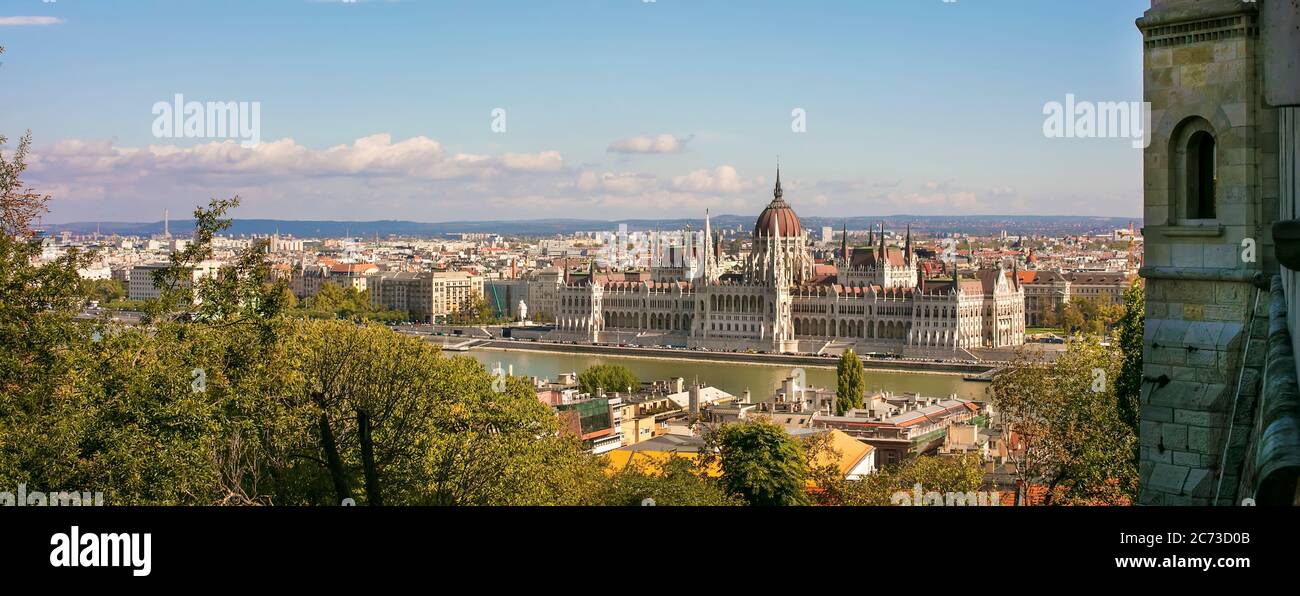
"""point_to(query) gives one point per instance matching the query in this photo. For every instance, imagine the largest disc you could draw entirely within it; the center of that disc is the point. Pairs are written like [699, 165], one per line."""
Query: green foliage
[477, 312]
[961, 474]
[761, 463]
[104, 291]
[608, 377]
[677, 483]
[334, 301]
[1086, 316]
[222, 400]
[851, 391]
[223, 396]
[1067, 412]
[1128, 386]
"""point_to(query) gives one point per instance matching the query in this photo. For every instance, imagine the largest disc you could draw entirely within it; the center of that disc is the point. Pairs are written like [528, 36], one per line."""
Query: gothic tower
[1210, 185]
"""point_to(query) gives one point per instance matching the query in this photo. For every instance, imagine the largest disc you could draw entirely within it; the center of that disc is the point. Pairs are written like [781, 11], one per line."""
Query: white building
[875, 301]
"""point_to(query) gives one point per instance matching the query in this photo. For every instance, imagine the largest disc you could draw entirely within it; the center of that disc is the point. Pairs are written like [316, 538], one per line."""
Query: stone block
[1173, 436]
[1204, 440]
[1222, 256]
[1199, 483]
[1168, 478]
[1203, 335]
[1188, 255]
[1195, 418]
[1159, 414]
[1211, 375]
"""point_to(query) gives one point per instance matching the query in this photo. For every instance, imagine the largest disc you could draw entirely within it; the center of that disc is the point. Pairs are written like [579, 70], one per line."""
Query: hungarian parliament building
[873, 299]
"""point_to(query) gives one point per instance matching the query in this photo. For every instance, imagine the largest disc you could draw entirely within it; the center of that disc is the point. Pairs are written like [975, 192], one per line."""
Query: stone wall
[1203, 348]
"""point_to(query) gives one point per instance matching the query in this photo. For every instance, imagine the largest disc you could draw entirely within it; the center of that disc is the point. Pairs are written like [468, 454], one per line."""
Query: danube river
[732, 377]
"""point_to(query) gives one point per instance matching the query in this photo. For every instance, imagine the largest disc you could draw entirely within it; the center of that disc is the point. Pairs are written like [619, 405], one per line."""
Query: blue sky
[913, 106]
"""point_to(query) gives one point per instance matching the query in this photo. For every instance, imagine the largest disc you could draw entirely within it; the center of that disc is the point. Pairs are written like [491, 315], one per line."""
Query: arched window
[1193, 171]
[1201, 176]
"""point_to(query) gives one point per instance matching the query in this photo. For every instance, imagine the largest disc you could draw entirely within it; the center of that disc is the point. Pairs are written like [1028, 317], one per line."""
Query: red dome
[779, 212]
[784, 217]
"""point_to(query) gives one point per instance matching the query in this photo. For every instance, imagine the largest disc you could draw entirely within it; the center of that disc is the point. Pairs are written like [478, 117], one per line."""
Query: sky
[442, 110]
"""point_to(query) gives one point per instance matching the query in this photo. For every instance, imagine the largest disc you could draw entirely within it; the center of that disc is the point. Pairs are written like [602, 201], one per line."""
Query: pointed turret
[956, 275]
[708, 245]
[907, 244]
[844, 242]
[774, 243]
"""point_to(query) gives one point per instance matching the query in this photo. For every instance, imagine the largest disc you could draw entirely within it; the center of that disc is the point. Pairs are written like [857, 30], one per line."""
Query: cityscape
[274, 271]
[785, 299]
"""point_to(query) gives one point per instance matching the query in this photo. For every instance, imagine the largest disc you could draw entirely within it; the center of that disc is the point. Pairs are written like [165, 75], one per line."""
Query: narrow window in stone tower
[1201, 176]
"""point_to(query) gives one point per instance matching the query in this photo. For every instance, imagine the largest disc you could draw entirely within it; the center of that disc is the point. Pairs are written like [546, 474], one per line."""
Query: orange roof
[851, 452]
[651, 462]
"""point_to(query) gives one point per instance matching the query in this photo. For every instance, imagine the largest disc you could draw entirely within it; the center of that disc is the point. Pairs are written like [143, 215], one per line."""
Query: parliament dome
[778, 213]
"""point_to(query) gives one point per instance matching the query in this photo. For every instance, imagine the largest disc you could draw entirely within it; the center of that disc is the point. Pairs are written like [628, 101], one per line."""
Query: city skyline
[899, 100]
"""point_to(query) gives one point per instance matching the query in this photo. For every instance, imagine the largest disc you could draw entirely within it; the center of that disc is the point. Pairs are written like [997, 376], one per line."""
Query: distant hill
[966, 224]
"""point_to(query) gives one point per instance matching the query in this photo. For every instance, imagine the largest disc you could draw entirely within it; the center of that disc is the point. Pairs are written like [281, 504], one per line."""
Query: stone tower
[1211, 193]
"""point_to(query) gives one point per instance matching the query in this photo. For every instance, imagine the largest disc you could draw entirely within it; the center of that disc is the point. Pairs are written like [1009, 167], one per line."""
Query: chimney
[694, 403]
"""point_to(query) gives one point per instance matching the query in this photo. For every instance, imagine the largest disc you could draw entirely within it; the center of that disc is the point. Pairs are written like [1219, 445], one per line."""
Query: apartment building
[424, 296]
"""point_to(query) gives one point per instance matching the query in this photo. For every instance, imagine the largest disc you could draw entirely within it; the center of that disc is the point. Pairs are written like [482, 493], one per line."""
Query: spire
[775, 243]
[956, 277]
[844, 242]
[907, 244]
[708, 244]
[882, 239]
[776, 192]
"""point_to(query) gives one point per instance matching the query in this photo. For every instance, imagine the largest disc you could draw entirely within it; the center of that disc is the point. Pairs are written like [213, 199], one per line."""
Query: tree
[334, 301]
[677, 482]
[42, 348]
[825, 479]
[963, 474]
[1087, 316]
[103, 290]
[760, 462]
[852, 388]
[609, 378]
[478, 311]
[489, 448]
[1077, 445]
[1051, 316]
[20, 205]
[1128, 386]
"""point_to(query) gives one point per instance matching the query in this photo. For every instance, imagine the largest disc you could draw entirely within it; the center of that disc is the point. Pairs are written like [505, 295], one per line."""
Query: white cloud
[664, 143]
[22, 21]
[546, 161]
[722, 179]
[624, 183]
[373, 177]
